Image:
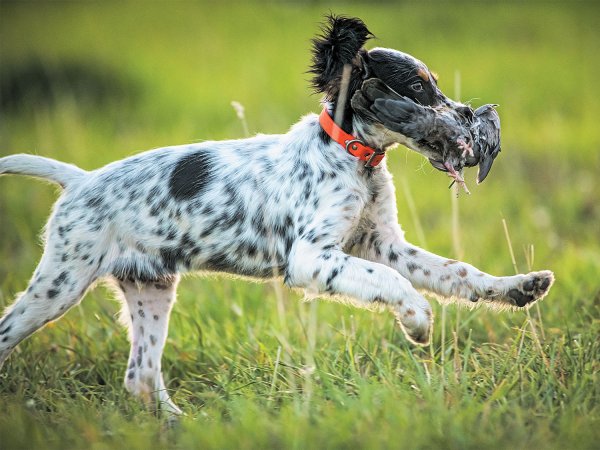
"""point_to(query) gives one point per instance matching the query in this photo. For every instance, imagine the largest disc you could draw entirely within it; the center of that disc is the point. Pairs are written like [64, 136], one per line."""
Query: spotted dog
[298, 206]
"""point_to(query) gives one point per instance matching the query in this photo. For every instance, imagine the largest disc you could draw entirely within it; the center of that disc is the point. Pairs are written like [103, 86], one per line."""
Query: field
[251, 364]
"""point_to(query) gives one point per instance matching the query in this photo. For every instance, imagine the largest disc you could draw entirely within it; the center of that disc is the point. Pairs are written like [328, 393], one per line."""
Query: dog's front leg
[449, 278]
[324, 269]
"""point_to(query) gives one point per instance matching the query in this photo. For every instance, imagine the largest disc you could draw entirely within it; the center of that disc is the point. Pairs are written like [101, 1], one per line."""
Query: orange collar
[354, 146]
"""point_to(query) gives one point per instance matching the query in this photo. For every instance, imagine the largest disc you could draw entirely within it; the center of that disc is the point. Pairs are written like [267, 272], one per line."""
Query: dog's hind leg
[146, 312]
[55, 287]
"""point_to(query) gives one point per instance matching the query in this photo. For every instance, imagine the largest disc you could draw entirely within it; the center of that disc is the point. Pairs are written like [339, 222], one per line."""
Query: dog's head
[341, 64]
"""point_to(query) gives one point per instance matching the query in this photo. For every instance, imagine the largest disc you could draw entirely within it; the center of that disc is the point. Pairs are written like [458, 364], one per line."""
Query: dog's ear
[339, 44]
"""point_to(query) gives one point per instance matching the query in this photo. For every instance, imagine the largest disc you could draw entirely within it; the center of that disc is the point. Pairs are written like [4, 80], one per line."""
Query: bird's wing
[488, 138]
[405, 116]
[371, 89]
[379, 102]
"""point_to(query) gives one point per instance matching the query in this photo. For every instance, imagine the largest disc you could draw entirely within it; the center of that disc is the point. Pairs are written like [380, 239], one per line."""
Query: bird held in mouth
[456, 136]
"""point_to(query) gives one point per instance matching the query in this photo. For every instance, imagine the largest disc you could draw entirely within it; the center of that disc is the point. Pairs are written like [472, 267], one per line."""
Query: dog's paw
[416, 323]
[529, 289]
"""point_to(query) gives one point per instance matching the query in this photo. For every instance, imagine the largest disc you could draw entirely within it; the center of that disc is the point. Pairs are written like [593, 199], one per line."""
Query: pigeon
[455, 137]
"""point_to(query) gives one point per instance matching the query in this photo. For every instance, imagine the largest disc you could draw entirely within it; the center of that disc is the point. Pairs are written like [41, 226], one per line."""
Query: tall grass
[253, 365]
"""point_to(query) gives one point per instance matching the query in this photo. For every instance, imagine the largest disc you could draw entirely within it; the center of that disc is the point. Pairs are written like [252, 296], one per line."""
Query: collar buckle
[375, 154]
[351, 144]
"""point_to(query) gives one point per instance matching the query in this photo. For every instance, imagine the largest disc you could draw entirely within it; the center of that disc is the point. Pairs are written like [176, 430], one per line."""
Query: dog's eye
[417, 86]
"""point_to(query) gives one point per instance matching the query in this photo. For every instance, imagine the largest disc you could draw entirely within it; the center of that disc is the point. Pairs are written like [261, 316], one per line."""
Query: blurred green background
[92, 82]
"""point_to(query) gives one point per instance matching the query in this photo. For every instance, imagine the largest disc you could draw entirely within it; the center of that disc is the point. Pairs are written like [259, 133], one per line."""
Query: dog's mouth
[454, 171]
[454, 165]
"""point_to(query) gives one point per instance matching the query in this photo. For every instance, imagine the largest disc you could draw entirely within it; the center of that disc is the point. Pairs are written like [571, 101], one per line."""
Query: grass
[252, 365]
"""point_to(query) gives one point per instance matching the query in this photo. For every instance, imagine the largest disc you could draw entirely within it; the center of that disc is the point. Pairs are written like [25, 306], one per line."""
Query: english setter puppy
[299, 205]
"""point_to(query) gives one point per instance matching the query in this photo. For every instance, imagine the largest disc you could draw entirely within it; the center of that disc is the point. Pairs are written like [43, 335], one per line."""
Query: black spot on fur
[191, 175]
[412, 267]
[171, 257]
[218, 263]
[94, 201]
[393, 256]
[251, 249]
[158, 207]
[52, 293]
[332, 276]
[134, 195]
[411, 251]
[132, 271]
[60, 279]
[62, 230]
[324, 137]
[374, 237]
[152, 194]
[186, 242]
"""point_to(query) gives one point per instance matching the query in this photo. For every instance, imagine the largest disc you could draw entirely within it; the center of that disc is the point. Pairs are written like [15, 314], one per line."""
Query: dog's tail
[40, 167]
